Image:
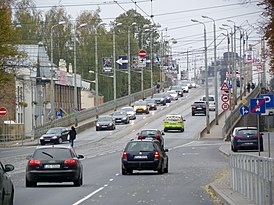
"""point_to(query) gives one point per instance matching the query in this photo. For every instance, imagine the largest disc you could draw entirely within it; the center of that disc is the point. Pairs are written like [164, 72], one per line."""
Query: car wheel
[124, 171]
[78, 182]
[42, 143]
[193, 114]
[165, 129]
[97, 129]
[233, 149]
[30, 183]
[182, 130]
[60, 140]
[166, 168]
[261, 148]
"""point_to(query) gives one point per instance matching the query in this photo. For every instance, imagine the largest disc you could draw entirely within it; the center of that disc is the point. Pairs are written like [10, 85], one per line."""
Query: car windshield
[119, 113]
[140, 103]
[140, 146]
[247, 132]
[52, 153]
[149, 132]
[127, 109]
[199, 103]
[171, 92]
[150, 100]
[209, 98]
[176, 88]
[54, 131]
[161, 95]
[105, 118]
[173, 118]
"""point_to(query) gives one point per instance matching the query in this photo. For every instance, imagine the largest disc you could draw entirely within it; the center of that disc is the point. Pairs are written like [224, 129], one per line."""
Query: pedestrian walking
[252, 86]
[248, 87]
[72, 135]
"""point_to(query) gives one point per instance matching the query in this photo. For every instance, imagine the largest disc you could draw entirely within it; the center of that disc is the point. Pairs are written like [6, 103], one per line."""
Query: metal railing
[252, 176]
[84, 115]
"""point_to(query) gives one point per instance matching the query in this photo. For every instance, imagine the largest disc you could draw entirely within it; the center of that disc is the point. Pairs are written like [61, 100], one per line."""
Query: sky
[175, 16]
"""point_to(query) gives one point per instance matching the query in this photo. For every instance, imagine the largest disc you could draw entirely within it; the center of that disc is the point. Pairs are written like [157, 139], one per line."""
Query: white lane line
[88, 196]
[117, 174]
[182, 145]
[111, 180]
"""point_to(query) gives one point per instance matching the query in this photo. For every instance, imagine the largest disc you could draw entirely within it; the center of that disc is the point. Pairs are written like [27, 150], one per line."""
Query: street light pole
[206, 77]
[215, 71]
[129, 64]
[75, 74]
[151, 58]
[96, 72]
[52, 97]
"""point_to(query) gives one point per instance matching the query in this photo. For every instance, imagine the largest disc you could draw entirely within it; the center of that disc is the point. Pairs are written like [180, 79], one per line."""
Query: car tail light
[157, 137]
[255, 137]
[156, 155]
[141, 137]
[203, 106]
[34, 162]
[238, 137]
[124, 156]
[194, 107]
[70, 162]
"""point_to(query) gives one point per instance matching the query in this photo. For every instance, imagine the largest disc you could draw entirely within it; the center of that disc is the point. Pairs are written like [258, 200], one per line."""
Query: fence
[252, 176]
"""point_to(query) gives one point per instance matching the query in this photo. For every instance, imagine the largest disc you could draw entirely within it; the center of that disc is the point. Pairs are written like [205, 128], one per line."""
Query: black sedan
[55, 135]
[6, 185]
[120, 116]
[151, 103]
[160, 98]
[246, 138]
[54, 163]
[144, 155]
[198, 107]
[105, 122]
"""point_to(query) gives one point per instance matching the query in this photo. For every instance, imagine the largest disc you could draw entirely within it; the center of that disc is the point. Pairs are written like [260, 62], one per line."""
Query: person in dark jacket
[248, 87]
[72, 135]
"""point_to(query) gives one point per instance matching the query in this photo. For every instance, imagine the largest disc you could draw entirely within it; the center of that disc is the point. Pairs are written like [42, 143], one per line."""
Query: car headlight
[97, 124]
[110, 124]
[41, 138]
[124, 118]
[54, 137]
[162, 99]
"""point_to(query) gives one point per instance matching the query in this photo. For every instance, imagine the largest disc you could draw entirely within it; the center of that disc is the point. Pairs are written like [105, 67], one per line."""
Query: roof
[64, 146]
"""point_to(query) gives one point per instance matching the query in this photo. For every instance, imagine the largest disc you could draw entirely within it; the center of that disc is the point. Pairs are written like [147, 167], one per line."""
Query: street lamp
[228, 61]
[114, 65]
[75, 81]
[215, 70]
[52, 97]
[128, 63]
[206, 76]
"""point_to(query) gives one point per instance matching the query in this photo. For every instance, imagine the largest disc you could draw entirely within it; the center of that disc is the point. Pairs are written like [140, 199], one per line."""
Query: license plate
[104, 126]
[199, 108]
[52, 166]
[118, 120]
[47, 140]
[140, 157]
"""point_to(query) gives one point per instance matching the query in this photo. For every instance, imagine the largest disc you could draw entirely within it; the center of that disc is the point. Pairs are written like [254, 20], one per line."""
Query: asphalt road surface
[192, 165]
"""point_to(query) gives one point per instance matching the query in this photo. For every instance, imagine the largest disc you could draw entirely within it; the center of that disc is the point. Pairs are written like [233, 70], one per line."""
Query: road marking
[184, 154]
[183, 145]
[88, 196]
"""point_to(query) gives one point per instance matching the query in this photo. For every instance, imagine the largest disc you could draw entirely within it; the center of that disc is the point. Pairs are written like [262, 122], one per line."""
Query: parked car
[6, 185]
[105, 122]
[173, 93]
[160, 98]
[144, 155]
[151, 103]
[246, 138]
[211, 102]
[54, 163]
[174, 122]
[141, 106]
[55, 135]
[198, 107]
[120, 116]
[178, 89]
[151, 133]
[130, 112]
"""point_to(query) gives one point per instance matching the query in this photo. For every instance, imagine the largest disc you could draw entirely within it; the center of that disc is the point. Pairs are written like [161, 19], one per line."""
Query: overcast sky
[176, 15]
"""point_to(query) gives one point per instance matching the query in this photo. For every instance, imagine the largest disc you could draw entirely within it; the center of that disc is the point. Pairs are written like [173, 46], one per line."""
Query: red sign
[142, 53]
[225, 87]
[225, 98]
[3, 111]
[225, 106]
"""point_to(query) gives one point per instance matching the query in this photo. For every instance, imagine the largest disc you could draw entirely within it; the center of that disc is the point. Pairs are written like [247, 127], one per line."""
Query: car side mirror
[163, 133]
[138, 134]
[166, 150]
[80, 156]
[8, 167]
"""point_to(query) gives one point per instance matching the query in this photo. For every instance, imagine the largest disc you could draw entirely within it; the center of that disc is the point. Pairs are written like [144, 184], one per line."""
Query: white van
[211, 102]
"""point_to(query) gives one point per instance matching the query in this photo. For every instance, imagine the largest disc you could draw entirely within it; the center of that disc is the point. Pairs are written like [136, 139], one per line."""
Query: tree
[29, 19]
[269, 29]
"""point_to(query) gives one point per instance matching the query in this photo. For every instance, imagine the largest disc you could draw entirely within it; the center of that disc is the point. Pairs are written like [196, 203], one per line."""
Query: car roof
[240, 128]
[150, 129]
[58, 146]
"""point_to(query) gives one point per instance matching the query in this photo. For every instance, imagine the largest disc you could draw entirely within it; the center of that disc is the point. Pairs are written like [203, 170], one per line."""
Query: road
[192, 165]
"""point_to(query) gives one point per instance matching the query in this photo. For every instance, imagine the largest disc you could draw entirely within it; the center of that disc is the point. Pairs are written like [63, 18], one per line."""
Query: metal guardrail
[235, 115]
[252, 176]
[84, 115]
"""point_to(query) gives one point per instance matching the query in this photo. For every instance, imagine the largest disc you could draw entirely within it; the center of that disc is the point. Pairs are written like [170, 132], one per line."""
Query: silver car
[130, 112]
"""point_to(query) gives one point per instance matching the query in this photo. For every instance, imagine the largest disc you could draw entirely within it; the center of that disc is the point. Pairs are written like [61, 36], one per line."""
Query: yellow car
[174, 122]
[141, 106]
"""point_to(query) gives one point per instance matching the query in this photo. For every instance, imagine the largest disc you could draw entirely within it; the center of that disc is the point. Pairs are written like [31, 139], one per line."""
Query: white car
[130, 112]
[193, 85]
[211, 102]
[173, 93]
